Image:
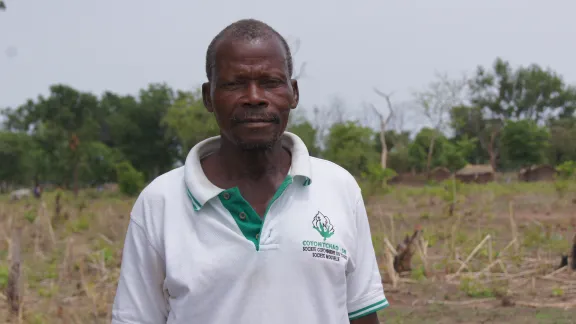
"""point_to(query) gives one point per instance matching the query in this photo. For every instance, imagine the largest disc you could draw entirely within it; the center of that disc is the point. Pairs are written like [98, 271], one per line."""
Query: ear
[206, 96]
[296, 95]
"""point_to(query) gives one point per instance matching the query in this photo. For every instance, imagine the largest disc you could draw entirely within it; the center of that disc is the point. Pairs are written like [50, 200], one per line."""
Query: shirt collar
[200, 190]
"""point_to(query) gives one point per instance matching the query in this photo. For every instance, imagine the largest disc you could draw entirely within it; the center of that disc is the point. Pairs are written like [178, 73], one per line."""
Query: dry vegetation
[485, 254]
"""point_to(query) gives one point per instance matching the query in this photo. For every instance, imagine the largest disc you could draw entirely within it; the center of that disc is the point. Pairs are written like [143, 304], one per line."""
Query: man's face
[251, 92]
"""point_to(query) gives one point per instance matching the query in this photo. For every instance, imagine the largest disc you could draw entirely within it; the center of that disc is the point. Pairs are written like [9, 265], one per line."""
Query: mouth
[257, 121]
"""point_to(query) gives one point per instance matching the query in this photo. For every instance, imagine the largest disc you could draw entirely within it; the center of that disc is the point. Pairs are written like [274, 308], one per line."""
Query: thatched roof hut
[478, 173]
[543, 172]
[440, 174]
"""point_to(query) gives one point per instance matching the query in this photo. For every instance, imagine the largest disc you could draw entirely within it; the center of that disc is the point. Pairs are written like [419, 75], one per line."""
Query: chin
[257, 144]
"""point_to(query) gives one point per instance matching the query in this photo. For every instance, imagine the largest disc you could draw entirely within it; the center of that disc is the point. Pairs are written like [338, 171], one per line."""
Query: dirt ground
[71, 254]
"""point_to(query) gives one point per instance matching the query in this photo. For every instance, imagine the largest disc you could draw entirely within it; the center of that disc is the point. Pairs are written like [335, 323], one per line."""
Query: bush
[567, 170]
[130, 180]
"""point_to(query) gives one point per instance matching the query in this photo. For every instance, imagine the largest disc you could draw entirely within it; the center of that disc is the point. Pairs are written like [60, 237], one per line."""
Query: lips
[256, 120]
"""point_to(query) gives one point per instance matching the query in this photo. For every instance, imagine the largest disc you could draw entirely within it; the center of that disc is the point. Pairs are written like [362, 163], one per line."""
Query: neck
[252, 164]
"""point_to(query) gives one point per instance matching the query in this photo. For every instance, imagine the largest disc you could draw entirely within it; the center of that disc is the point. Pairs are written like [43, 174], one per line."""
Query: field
[488, 253]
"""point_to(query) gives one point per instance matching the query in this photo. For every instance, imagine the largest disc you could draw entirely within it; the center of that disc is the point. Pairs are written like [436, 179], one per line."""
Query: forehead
[261, 53]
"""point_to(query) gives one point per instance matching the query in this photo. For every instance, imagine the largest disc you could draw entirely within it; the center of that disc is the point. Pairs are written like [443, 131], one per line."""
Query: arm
[140, 297]
[364, 285]
[368, 319]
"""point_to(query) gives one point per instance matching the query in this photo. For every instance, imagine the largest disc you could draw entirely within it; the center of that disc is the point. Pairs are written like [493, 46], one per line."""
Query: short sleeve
[365, 293]
[140, 296]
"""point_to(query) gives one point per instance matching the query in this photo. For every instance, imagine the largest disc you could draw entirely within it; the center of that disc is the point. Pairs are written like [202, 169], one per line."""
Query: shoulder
[151, 202]
[331, 177]
[150, 208]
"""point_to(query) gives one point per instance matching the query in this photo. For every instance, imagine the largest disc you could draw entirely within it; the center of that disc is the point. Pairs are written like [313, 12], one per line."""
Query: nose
[255, 97]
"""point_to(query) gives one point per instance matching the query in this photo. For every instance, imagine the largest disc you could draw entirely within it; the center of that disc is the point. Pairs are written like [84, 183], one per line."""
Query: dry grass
[501, 245]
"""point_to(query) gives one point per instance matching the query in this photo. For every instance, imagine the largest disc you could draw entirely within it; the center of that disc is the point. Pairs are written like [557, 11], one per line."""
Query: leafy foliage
[510, 117]
[130, 180]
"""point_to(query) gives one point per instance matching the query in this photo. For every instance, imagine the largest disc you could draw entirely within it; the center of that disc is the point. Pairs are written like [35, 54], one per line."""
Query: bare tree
[436, 101]
[384, 119]
[295, 47]
[327, 115]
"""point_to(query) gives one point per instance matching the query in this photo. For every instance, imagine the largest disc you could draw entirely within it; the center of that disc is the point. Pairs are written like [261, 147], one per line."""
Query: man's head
[249, 88]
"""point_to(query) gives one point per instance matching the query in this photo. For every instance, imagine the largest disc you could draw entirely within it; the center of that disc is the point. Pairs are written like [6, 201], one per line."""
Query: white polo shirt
[198, 254]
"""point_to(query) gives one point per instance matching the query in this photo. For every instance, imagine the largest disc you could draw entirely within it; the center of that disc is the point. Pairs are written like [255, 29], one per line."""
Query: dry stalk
[462, 302]
[567, 282]
[13, 286]
[390, 246]
[513, 226]
[48, 223]
[564, 306]
[86, 288]
[390, 268]
[555, 272]
[422, 254]
[68, 255]
[472, 254]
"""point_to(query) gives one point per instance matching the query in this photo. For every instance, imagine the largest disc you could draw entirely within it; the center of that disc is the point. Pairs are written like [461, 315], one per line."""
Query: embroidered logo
[322, 224]
[322, 249]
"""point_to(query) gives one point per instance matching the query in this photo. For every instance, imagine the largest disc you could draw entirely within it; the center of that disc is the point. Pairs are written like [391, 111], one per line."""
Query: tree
[302, 127]
[562, 140]
[134, 126]
[528, 92]
[352, 147]
[66, 117]
[436, 102]
[384, 121]
[524, 143]
[294, 48]
[446, 153]
[15, 163]
[188, 122]
[2, 5]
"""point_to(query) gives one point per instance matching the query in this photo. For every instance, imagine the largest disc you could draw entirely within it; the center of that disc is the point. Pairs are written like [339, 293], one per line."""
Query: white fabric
[188, 262]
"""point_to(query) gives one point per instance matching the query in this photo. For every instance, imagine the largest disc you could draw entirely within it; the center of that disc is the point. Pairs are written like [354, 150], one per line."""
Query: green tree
[352, 147]
[562, 140]
[524, 143]
[188, 122]
[134, 126]
[446, 153]
[130, 180]
[527, 92]
[302, 127]
[15, 162]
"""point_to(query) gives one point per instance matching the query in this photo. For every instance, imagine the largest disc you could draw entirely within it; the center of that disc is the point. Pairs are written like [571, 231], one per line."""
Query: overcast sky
[349, 46]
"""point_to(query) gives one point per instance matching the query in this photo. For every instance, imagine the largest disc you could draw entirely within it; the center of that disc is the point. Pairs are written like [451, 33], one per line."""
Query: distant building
[440, 174]
[543, 172]
[479, 173]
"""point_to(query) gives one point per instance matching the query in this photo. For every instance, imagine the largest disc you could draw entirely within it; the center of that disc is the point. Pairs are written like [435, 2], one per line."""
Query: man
[251, 230]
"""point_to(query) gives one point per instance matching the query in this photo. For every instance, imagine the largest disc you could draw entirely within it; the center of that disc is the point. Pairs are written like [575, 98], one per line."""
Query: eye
[230, 85]
[272, 83]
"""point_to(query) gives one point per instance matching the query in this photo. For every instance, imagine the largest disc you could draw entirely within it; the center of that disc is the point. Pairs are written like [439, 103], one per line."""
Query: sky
[349, 47]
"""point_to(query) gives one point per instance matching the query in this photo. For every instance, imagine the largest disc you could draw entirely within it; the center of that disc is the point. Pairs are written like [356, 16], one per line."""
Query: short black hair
[245, 29]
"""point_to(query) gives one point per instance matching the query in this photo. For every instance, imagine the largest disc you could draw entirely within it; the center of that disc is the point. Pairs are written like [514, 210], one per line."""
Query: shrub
[130, 180]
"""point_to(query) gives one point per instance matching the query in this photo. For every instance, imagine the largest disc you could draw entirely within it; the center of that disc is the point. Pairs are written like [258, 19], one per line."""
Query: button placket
[242, 216]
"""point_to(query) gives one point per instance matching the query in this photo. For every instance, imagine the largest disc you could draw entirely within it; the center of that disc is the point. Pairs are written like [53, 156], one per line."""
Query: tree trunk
[430, 152]
[76, 163]
[384, 154]
[492, 149]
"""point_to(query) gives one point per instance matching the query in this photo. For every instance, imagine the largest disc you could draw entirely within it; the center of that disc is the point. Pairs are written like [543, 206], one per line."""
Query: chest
[310, 242]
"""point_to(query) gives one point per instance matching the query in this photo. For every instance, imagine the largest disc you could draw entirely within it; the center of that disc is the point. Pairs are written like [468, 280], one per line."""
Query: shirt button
[226, 195]
[257, 236]
[242, 215]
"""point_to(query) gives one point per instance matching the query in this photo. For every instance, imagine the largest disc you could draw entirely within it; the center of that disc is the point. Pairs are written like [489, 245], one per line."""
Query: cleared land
[70, 257]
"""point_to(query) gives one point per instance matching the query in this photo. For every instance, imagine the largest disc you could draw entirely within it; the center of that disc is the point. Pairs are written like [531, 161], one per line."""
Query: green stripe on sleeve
[368, 309]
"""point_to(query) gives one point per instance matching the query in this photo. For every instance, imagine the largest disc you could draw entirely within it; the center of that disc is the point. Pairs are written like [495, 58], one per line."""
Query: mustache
[254, 117]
